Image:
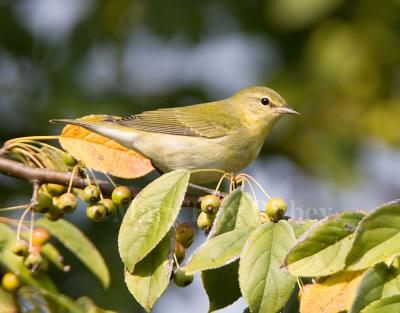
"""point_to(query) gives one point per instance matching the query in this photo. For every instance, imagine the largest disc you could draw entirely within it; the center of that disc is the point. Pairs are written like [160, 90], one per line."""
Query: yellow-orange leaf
[103, 154]
[332, 295]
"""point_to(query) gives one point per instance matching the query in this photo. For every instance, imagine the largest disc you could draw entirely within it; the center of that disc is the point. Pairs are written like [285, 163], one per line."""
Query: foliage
[324, 250]
[352, 256]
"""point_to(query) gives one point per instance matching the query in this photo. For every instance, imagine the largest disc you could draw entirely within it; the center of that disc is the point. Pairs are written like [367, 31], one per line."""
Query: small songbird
[226, 135]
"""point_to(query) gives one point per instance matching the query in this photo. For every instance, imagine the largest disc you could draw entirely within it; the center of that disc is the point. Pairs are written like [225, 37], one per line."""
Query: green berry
[205, 221]
[33, 261]
[42, 267]
[40, 236]
[55, 212]
[181, 279]
[67, 203]
[10, 282]
[179, 252]
[20, 247]
[184, 233]
[44, 202]
[91, 194]
[210, 204]
[55, 190]
[96, 212]
[110, 206]
[188, 243]
[121, 196]
[264, 218]
[52, 217]
[69, 160]
[276, 208]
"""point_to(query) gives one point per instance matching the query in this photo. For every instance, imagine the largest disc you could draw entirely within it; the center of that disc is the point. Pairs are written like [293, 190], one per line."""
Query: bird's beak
[287, 110]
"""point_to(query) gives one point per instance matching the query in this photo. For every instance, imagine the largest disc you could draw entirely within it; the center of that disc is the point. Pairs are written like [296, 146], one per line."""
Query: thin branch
[40, 176]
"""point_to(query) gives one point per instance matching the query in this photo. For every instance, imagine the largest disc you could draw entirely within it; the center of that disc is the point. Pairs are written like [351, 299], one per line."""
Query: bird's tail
[103, 125]
[86, 121]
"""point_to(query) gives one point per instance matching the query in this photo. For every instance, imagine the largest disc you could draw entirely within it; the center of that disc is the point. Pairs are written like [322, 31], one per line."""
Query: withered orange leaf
[332, 295]
[101, 153]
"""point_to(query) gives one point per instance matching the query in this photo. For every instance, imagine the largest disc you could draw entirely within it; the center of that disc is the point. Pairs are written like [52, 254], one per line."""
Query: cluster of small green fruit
[54, 201]
[33, 260]
[184, 234]
[209, 207]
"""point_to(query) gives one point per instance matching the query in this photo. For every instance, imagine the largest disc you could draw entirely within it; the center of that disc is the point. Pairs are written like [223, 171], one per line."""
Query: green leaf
[377, 238]
[51, 253]
[7, 237]
[212, 279]
[322, 250]
[150, 216]
[151, 275]
[385, 305]
[265, 286]
[7, 304]
[63, 301]
[392, 286]
[73, 238]
[86, 304]
[238, 209]
[218, 251]
[377, 283]
[300, 226]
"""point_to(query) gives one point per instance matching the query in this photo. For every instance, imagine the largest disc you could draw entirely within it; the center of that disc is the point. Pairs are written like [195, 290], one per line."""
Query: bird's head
[262, 103]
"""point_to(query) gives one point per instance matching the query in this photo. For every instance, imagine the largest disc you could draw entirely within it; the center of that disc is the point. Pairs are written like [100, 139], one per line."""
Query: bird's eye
[265, 101]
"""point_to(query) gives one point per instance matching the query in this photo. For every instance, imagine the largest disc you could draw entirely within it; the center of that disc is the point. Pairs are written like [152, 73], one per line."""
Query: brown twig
[39, 176]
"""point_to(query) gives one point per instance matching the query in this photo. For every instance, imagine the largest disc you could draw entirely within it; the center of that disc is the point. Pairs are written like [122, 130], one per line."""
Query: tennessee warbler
[226, 135]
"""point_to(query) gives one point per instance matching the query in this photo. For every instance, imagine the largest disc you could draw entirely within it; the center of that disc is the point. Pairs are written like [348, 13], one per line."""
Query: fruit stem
[232, 183]
[110, 180]
[95, 181]
[243, 186]
[44, 145]
[32, 138]
[9, 221]
[88, 179]
[21, 221]
[300, 284]
[12, 208]
[257, 183]
[220, 182]
[252, 189]
[176, 261]
[31, 229]
[72, 178]
[29, 155]
[29, 146]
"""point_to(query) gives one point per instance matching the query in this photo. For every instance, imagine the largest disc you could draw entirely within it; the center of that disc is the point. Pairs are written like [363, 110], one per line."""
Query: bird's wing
[196, 121]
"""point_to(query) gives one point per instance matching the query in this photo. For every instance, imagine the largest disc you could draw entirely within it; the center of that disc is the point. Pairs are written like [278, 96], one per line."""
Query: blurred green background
[337, 62]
